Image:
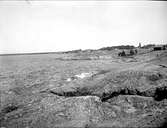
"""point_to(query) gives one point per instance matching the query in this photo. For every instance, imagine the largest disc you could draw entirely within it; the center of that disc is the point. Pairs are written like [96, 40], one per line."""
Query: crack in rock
[158, 93]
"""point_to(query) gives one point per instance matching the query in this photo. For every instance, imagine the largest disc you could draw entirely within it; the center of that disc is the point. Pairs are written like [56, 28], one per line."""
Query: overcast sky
[56, 26]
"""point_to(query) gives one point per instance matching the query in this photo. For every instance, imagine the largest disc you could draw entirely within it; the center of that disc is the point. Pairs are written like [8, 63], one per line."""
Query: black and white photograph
[83, 64]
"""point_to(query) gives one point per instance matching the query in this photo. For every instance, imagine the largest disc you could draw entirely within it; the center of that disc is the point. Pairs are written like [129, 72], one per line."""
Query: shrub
[132, 52]
[122, 53]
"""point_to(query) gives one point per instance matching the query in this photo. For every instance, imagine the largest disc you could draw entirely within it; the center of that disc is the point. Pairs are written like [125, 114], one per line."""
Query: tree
[139, 45]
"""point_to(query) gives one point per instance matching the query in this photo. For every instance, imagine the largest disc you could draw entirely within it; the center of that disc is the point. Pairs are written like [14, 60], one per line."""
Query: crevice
[164, 125]
[72, 93]
[164, 66]
[124, 91]
[10, 108]
[158, 93]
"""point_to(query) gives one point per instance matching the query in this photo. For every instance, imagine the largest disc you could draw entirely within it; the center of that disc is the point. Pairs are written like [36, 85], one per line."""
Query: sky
[49, 26]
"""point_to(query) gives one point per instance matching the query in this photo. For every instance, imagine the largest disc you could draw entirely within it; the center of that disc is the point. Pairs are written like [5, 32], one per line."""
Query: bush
[122, 53]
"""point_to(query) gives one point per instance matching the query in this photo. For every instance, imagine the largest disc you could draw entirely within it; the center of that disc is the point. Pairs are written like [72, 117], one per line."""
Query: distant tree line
[118, 47]
[148, 46]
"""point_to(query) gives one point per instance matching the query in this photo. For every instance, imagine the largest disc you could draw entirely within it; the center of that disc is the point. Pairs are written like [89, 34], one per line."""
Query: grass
[22, 77]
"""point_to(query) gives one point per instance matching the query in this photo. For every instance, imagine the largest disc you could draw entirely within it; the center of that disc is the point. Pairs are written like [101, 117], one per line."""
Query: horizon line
[64, 51]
